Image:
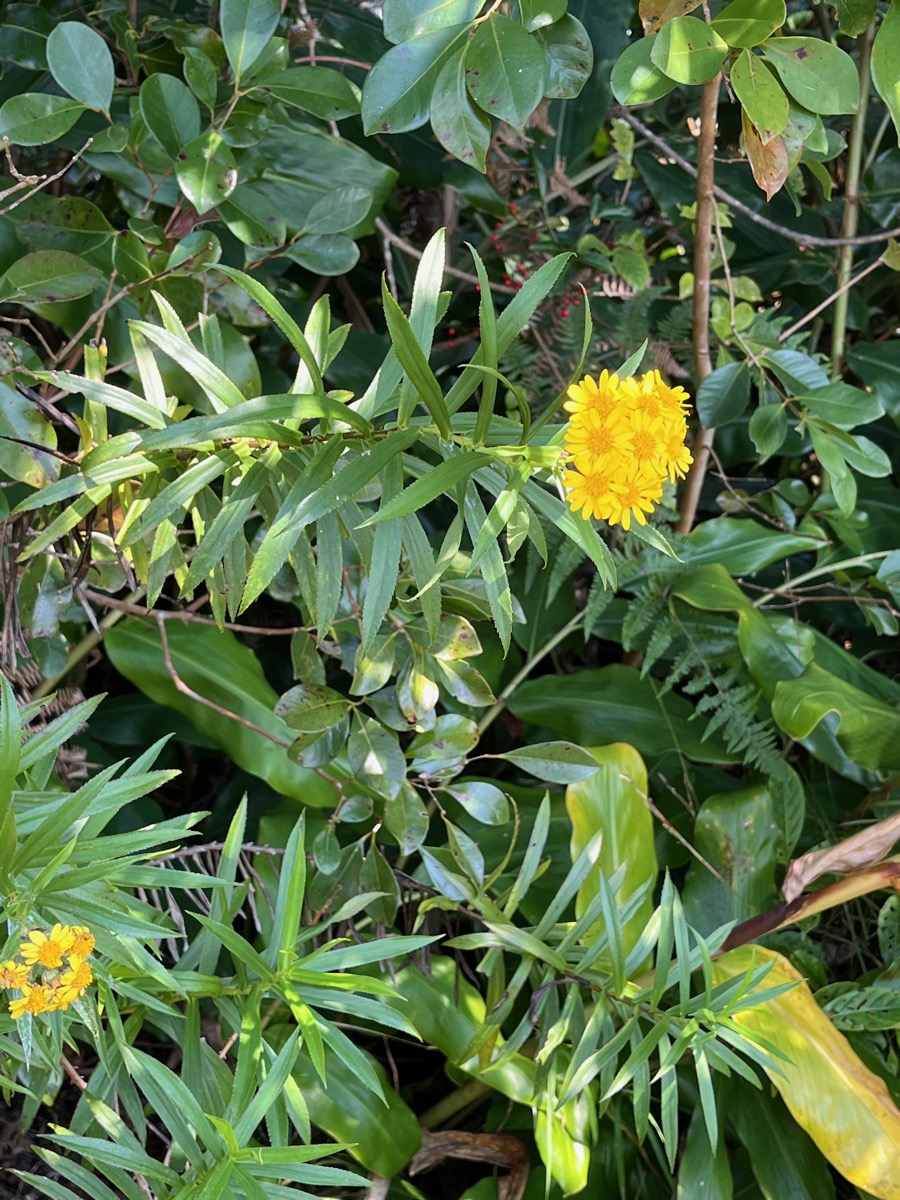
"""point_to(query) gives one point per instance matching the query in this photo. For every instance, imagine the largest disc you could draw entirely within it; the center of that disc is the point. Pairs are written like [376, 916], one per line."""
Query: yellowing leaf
[655, 13]
[844, 1107]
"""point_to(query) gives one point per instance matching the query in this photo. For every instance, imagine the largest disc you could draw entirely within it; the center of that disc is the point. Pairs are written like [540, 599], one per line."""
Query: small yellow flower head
[625, 438]
[72, 983]
[47, 949]
[13, 974]
[35, 1000]
[83, 943]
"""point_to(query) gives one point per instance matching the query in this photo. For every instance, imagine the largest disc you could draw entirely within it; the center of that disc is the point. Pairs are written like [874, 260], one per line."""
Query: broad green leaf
[324, 253]
[397, 91]
[247, 26]
[865, 1008]
[341, 209]
[170, 111]
[797, 371]
[864, 456]
[482, 800]
[62, 223]
[768, 428]
[614, 801]
[48, 276]
[506, 71]
[842, 405]
[555, 762]
[311, 708]
[746, 23]
[702, 1171]
[597, 707]
[819, 75]
[688, 50]
[635, 78]
[252, 218]
[221, 670]
[408, 19]
[844, 1107]
[206, 171]
[724, 394]
[885, 56]
[81, 63]
[375, 757]
[35, 118]
[854, 16]
[537, 14]
[406, 818]
[23, 37]
[760, 94]
[744, 546]
[569, 57]
[325, 93]
[201, 75]
[24, 459]
[458, 125]
[867, 728]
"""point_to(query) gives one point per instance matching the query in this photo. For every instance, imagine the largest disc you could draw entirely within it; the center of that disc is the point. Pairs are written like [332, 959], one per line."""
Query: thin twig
[845, 287]
[389, 236]
[792, 235]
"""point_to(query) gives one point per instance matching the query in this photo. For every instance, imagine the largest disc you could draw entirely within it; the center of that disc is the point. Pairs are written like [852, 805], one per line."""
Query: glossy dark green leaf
[206, 171]
[397, 92]
[445, 746]
[744, 546]
[635, 78]
[376, 759]
[220, 669]
[569, 57]
[325, 254]
[247, 26]
[35, 118]
[23, 36]
[506, 72]
[819, 75]
[723, 395]
[615, 704]
[761, 95]
[201, 75]
[81, 63]
[406, 818]
[63, 223]
[325, 93]
[408, 19]
[555, 762]
[482, 800]
[746, 23]
[768, 428]
[342, 209]
[688, 50]
[377, 875]
[47, 276]
[458, 124]
[252, 217]
[538, 14]
[311, 708]
[170, 111]
[702, 1171]
[842, 405]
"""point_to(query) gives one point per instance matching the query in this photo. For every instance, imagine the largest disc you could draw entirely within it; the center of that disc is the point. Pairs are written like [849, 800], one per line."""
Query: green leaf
[760, 94]
[555, 762]
[842, 405]
[221, 670]
[537, 14]
[816, 73]
[311, 708]
[201, 75]
[723, 395]
[408, 19]
[35, 118]
[744, 546]
[63, 223]
[252, 217]
[206, 171]
[341, 209]
[458, 125]
[397, 91]
[48, 276]
[80, 62]
[768, 428]
[614, 802]
[247, 26]
[170, 111]
[325, 93]
[406, 818]
[21, 419]
[376, 759]
[569, 57]
[437, 482]
[635, 78]
[506, 71]
[867, 729]
[614, 703]
[325, 254]
[223, 394]
[855, 16]
[885, 57]
[688, 50]
[415, 363]
[746, 23]
[483, 801]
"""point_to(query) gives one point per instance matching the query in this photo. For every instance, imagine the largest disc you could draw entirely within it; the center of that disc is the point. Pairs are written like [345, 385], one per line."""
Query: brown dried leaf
[655, 13]
[768, 160]
[863, 849]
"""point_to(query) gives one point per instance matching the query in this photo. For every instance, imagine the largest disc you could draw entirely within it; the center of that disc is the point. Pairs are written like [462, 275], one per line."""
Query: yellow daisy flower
[591, 493]
[13, 974]
[600, 396]
[83, 944]
[633, 496]
[35, 1000]
[72, 983]
[595, 438]
[47, 949]
[677, 456]
[646, 434]
[671, 399]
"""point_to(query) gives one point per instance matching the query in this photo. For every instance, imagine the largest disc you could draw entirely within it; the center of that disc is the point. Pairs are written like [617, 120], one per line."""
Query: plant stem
[816, 573]
[850, 222]
[560, 636]
[706, 168]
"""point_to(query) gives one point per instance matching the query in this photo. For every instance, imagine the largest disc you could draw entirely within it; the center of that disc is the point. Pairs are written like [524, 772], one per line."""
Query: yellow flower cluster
[625, 438]
[60, 958]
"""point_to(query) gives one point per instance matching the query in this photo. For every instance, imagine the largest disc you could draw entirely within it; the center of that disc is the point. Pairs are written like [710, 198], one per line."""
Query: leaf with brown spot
[768, 160]
[655, 13]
